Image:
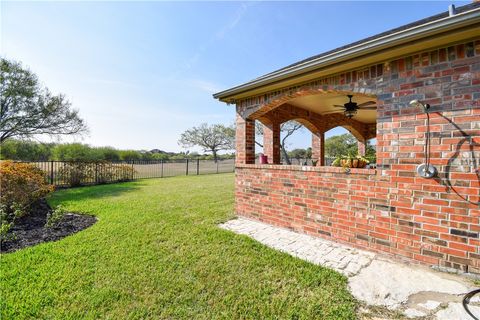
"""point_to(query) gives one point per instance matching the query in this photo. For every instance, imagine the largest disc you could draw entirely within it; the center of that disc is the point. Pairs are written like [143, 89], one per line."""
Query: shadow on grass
[94, 192]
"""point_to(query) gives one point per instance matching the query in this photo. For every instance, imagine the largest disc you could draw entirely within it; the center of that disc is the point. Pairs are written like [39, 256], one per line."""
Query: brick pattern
[318, 148]
[271, 142]
[361, 145]
[244, 140]
[392, 210]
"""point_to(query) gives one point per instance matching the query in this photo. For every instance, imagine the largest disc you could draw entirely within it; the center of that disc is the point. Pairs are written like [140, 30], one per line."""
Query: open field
[145, 170]
[141, 169]
[156, 253]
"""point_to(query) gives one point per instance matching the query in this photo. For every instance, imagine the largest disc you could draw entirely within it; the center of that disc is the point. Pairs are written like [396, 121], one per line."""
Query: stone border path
[414, 291]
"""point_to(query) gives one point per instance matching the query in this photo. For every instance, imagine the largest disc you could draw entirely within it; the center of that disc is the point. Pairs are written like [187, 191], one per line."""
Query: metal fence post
[161, 172]
[186, 172]
[51, 172]
[96, 172]
[133, 170]
[198, 166]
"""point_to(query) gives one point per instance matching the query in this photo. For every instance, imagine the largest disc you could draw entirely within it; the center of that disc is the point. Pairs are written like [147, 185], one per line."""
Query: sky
[143, 72]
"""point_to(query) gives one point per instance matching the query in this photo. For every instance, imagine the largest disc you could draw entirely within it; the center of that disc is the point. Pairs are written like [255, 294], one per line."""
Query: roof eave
[368, 47]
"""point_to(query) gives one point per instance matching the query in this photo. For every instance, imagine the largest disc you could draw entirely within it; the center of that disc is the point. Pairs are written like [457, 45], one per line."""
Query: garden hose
[466, 301]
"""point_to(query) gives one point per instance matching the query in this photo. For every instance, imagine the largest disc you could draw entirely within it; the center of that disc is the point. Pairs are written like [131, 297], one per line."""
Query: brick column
[271, 142]
[318, 148]
[361, 147]
[244, 141]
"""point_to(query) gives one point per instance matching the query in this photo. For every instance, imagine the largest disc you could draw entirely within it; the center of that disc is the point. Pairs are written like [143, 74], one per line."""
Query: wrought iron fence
[78, 173]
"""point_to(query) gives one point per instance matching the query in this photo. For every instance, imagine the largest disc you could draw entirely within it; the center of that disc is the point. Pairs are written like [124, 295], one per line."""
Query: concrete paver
[413, 290]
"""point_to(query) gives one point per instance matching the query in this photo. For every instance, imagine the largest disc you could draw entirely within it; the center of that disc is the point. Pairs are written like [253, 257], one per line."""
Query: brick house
[390, 209]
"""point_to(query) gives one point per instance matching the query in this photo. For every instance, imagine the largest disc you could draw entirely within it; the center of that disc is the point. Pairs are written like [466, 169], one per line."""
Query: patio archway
[317, 112]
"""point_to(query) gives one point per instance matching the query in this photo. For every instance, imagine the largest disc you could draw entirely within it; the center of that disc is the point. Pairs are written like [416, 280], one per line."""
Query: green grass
[156, 252]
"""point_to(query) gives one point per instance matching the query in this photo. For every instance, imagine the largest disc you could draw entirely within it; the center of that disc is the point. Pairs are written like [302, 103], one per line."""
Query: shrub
[54, 217]
[74, 174]
[80, 173]
[21, 185]
[7, 220]
[108, 172]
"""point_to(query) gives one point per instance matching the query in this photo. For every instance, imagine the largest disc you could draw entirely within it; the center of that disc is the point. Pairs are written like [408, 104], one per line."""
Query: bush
[54, 217]
[21, 185]
[7, 219]
[76, 174]
[114, 172]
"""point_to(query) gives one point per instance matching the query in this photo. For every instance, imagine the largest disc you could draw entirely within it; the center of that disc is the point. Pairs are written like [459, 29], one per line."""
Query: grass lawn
[157, 253]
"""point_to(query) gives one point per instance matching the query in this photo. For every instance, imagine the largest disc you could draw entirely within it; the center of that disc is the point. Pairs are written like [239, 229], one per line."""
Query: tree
[108, 153]
[343, 144]
[74, 152]
[212, 138]
[300, 153]
[129, 155]
[27, 109]
[26, 150]
[286, 130]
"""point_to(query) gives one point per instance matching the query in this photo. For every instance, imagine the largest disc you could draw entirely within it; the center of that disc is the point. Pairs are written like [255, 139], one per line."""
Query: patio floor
[413, 290]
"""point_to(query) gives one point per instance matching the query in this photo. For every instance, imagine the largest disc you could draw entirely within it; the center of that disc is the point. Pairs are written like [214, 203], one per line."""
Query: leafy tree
[212, 138]
[371, 152]
[107, 153]
[27, 109]
[74, 152]
[28, 150]
[286, 130]
[25, 150]
[160, 156]
[343, 144]
[300, 153]
[129, 155]
[347, 144]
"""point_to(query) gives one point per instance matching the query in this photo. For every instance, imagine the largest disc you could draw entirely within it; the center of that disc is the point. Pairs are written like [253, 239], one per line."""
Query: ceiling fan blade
[336, 111]
[369, 108]
[336, 105]
[368, 103]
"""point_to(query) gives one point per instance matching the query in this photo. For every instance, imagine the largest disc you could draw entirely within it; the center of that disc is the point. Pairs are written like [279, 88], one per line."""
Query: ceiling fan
[350, 108]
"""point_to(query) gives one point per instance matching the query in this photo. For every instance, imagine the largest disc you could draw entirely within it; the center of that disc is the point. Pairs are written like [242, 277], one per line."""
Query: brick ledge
[306, 168]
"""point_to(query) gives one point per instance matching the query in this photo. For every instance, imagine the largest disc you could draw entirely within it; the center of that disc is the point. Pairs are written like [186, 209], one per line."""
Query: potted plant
[350, 161]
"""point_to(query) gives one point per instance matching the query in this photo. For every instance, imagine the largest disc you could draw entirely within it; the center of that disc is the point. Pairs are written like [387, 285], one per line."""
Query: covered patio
[317, 112]
[390, 209]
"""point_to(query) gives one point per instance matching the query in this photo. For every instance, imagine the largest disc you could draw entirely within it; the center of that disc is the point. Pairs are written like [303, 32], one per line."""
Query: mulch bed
[30, 229]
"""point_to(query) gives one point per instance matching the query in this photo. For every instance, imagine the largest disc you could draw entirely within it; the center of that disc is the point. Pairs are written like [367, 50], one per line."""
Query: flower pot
[263, 159]
[346, 163]
[353, 163]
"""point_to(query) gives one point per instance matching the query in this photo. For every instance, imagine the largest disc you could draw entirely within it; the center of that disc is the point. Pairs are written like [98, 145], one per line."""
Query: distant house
[396, 208]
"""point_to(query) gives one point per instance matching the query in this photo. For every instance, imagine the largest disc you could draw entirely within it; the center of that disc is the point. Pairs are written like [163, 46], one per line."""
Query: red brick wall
[244, 140]
[391, 209]
[271, 142]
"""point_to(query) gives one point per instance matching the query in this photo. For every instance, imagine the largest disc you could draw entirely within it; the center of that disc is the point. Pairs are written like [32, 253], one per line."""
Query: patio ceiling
[324, 104]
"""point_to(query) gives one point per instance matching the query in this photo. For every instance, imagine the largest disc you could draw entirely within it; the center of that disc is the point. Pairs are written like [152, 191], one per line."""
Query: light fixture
[418, 104]
[425, 170]
[350, 113]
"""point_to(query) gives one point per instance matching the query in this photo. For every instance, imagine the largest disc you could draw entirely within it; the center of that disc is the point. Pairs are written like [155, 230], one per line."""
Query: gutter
[394, 39]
